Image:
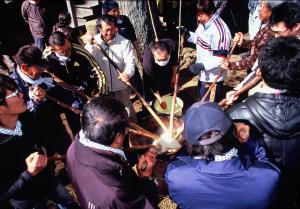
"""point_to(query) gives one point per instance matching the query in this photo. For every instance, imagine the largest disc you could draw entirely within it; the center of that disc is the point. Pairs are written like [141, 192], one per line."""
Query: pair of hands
[146, 163]
[36, 163]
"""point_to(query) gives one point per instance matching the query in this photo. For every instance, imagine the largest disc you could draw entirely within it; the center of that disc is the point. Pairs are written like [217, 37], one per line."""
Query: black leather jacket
[277, 117]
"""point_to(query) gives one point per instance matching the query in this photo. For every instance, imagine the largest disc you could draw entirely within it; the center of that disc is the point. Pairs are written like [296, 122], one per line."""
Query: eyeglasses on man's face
[279, 29]
[14, 94]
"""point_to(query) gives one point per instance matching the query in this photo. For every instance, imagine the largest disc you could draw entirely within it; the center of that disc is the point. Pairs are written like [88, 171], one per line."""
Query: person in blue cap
[219, 172]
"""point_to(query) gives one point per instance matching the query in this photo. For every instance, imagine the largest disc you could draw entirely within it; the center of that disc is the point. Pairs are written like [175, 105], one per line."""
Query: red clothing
[255, 46]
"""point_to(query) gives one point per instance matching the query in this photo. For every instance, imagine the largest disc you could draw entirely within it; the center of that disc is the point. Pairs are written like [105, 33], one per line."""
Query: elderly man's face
[280, 29]
[264, 12]
[108, 31]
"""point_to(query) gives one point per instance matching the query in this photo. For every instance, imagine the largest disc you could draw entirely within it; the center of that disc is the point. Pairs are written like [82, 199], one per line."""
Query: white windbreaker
[212, 44]
[121, 52]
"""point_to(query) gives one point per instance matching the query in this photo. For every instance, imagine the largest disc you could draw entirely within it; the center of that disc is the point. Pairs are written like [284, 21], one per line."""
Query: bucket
[168, 99]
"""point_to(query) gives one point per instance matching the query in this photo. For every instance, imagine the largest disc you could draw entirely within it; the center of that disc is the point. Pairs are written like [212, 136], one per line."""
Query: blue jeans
[215, 95]
[40, 43]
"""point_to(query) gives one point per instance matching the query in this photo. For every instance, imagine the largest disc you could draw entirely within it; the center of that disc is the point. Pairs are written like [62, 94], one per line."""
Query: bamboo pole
[60, 103]
[139, 129]
[152, 21]
[171, 127]
[68, 86]
[246, 87]
[141, 133]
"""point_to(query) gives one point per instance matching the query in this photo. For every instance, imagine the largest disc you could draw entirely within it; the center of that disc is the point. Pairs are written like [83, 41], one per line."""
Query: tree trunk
[138, 13]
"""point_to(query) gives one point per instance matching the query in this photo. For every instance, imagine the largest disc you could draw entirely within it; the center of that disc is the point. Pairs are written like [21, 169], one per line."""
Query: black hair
[161, 45]
[6, 83]
[57, 39]
[205, 6]
[29, 55]
[287, 12]
[279, 61]
[64, 19]
[102, 119]
[107, 19]
[223, 145]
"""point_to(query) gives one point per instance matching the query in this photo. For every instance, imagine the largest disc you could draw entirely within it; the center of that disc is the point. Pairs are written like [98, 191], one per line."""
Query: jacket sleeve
[129, 58]
[244, 63]
[96, 73]
[220, 43]
[192, 38]
[252, 148]
[256, 45]
[24, 11]
[23, 180]
[148, 68]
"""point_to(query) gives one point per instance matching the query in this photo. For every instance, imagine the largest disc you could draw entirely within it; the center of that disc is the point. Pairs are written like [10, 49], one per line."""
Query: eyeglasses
[279, 33]
[14, 94]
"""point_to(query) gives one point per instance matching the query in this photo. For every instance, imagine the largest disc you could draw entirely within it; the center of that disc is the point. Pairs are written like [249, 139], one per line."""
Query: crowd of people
[63, 99]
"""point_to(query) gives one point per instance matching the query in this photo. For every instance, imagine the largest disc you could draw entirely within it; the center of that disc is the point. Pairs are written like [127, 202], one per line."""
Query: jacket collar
[100, 40]
[233, 165]
[88, 143]
[211, 20]
[99, 159]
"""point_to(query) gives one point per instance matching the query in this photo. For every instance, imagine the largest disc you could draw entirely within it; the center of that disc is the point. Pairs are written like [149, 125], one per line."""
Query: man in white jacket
[121, 52]
[212, 39]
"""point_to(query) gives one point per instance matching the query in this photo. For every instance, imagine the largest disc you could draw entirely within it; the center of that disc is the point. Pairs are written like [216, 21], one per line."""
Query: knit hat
[203, 117]
[109, 5]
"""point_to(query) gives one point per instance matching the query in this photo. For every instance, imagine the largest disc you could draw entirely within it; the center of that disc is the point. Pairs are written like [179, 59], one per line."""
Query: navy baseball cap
[203, 117]
[109, 5]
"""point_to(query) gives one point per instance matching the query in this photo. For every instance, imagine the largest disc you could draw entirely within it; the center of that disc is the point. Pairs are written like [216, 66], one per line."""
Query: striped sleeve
[221, 40]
